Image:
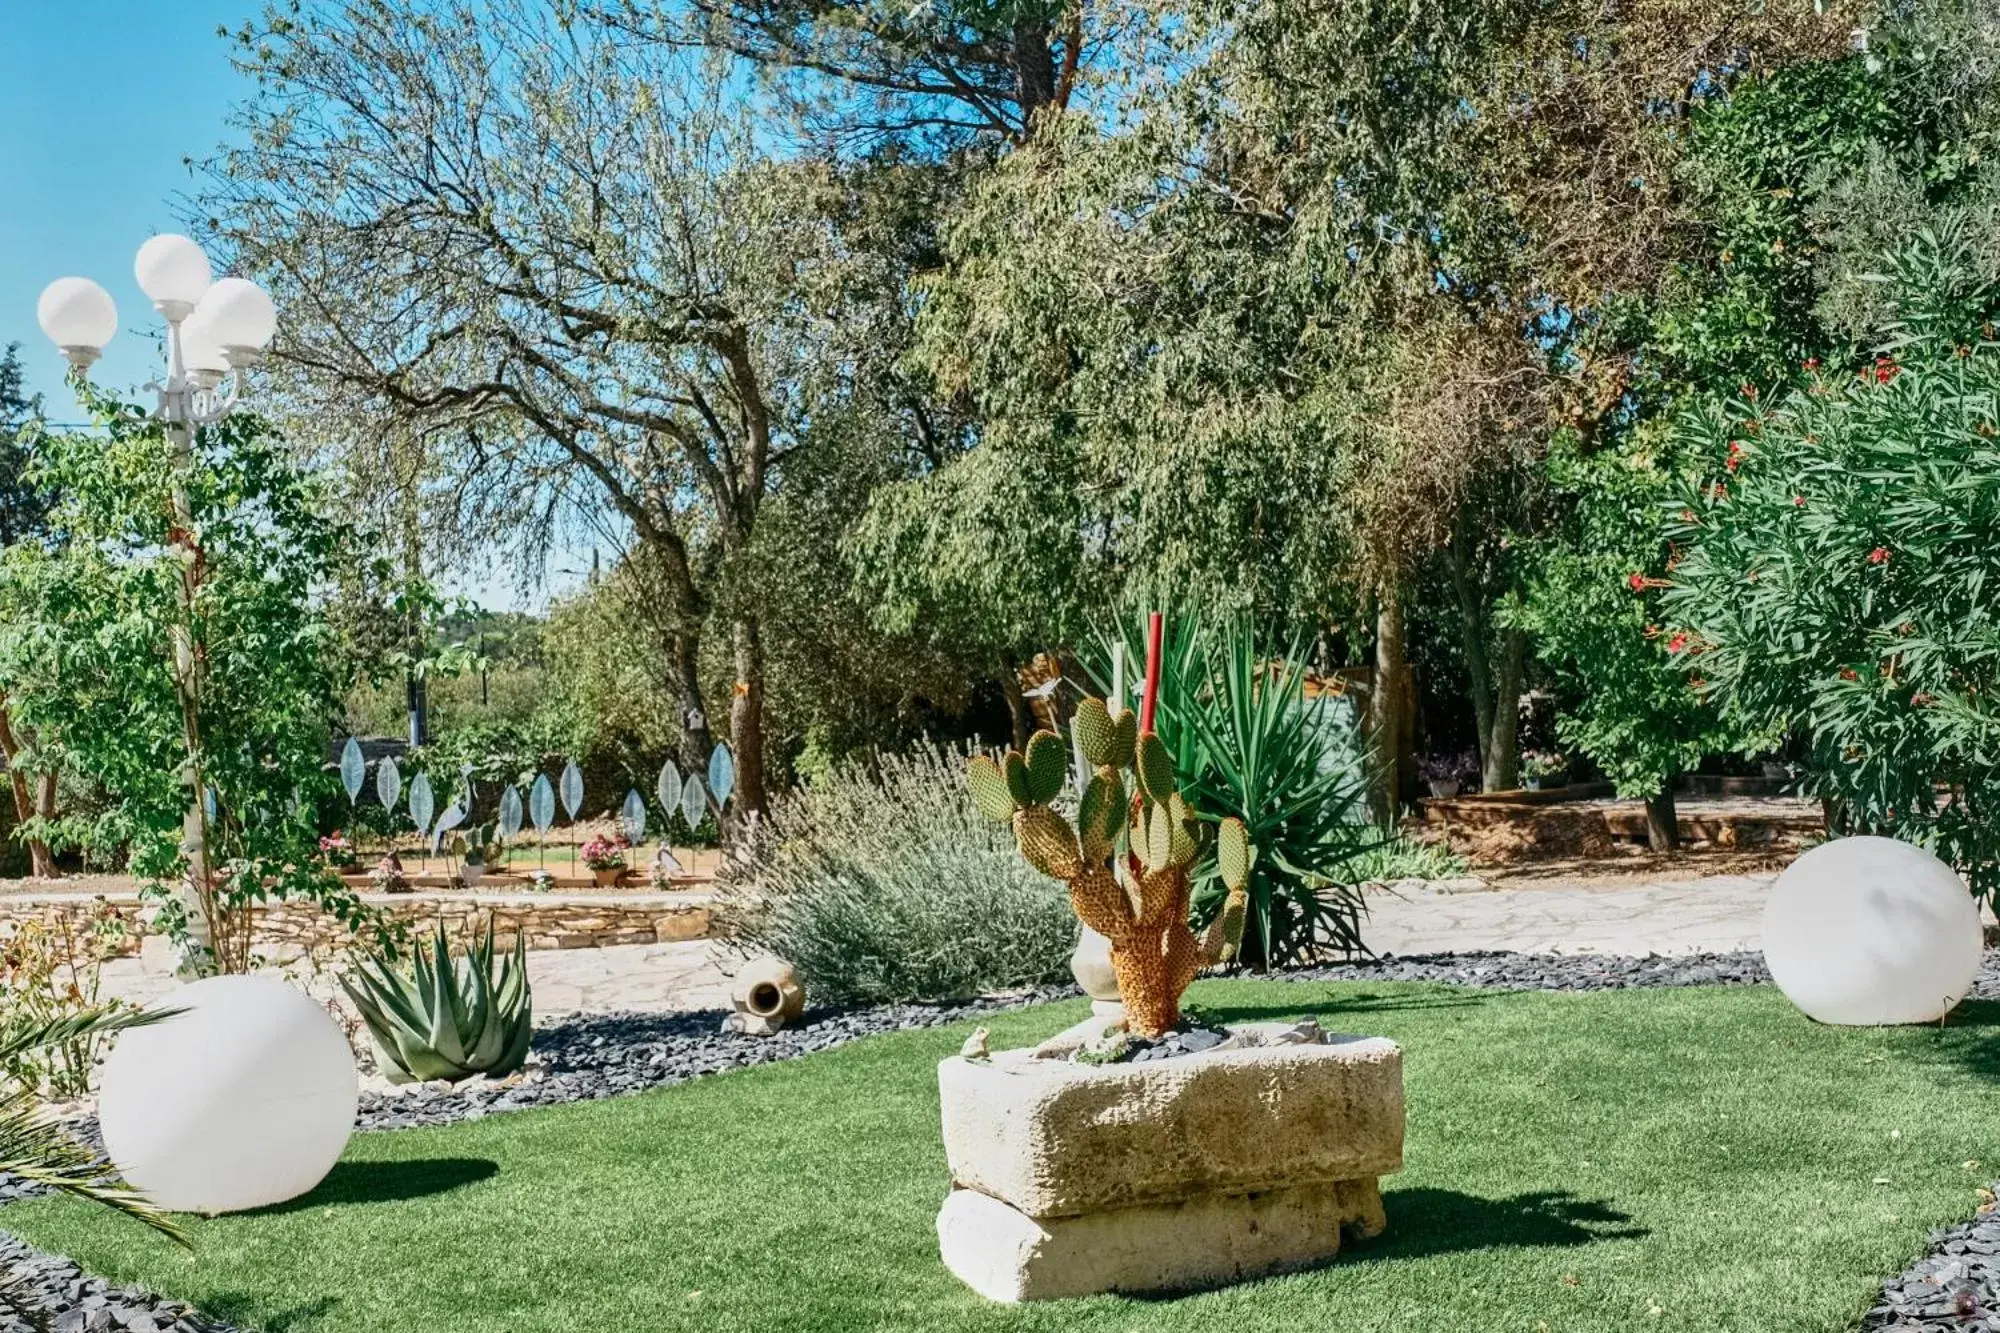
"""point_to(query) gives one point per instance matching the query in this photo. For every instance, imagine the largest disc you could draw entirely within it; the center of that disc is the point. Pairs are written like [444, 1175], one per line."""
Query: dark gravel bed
[1955, 1286]
[604, 1055]
[45, 1293]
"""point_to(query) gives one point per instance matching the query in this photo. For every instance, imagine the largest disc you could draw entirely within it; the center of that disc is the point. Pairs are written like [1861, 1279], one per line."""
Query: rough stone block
[1056, 1138]
[1006, 1255]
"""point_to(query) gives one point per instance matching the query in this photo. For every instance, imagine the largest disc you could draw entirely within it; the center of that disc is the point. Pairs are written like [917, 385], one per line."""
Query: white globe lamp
[202, 353]
[173, 273]
[78, 316]
[244, 1100]
[1872, 931]
[242, 317]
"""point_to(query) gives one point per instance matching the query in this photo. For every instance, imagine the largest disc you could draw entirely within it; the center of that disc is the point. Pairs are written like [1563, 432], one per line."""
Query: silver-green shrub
[881, 882]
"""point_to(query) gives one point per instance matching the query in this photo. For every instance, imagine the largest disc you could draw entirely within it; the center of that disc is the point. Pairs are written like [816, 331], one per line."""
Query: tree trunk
[1500, 766]
[1473, 642]
[684, 668]
[1385, 705]
[746, 718]
[1663, 825]
[1017, 705]
[41, 861]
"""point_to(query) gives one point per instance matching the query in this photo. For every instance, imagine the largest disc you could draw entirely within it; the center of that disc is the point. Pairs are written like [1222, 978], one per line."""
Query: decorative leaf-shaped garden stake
[721, 777]
[388, 783]
[353, 769]
[572, 798]
[542, 809]
[633, 817]
[423, 804]
[694, 804]
[510, 812]
[669, 792]
[453, 816]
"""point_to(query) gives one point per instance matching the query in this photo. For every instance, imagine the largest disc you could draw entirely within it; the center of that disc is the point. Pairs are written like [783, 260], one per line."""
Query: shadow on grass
[1333, 1004]
[1970, 1038]
[387, 1182]
[246, 1312]
[1425, 1222]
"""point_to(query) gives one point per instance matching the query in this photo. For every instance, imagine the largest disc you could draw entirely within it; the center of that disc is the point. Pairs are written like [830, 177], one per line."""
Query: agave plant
[35, 1147]
[447, 1018]
[1247, 742]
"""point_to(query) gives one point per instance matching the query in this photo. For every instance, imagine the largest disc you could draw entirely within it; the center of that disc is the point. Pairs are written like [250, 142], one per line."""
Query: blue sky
[101, 100]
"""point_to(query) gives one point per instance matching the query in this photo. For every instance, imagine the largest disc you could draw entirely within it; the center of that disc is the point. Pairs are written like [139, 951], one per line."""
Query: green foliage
[447, 1017]
[1837, 559]
[883, 882]
[90, 617]
[51, 969]
[1244, 741]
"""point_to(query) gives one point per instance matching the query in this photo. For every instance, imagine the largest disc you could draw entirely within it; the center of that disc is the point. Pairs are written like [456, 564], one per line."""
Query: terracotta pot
[767, 995]
[608, 876]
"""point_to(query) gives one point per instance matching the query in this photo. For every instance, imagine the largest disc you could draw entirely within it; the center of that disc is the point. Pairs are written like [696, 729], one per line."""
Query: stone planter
[1546, 784]
[1444, 788]
[1074, 1179]
[608, 876]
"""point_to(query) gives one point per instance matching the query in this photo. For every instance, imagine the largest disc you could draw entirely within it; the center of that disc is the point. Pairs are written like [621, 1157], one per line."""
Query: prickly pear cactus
[1128, 856]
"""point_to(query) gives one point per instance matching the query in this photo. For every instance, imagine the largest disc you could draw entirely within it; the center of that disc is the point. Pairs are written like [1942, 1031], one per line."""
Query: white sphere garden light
[79, 317]
[242, 1100]
[1872, 931]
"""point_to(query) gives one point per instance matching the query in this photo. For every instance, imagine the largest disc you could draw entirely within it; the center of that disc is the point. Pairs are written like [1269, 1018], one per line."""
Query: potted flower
[388, 876]
[1543, 770]
[606, 859]
[1443, 773]
[337, 851]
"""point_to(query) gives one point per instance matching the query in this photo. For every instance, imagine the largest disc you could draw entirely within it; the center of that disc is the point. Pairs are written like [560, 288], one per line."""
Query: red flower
[1886, 369]
[1749, 391]
[1687, 515]
[1678, 643]
[1718, 492]
[1735, 461]
[1922, 697]
[1849, 673]
[1810, 363]
[1798, 501]
[1879, 556]
[1637, 583]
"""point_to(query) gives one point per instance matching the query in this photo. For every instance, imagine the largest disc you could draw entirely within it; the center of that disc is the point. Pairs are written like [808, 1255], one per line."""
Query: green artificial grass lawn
[1694, 1159]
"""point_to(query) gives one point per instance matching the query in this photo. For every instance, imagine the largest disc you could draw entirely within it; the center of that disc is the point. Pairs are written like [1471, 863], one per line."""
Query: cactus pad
[1016, 770]
[1096, 734]
[1155, 767]
[1048, 764]
[1046, 841]
[1233, 854]
[1098, 816]
[989, 789]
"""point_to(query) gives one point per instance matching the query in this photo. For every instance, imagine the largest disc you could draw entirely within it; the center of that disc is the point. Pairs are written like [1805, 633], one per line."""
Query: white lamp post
[214, 331]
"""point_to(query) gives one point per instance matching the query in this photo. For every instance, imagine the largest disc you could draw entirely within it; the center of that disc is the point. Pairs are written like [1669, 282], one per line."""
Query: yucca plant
[35, 1147]
[1247, 742]
[447, 1018]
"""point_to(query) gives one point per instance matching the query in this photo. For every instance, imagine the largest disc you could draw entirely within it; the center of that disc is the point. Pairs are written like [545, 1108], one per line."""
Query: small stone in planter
[1123, 1047]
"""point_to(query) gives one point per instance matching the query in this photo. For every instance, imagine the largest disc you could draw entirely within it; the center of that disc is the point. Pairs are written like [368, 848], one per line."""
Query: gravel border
[1956, 1286]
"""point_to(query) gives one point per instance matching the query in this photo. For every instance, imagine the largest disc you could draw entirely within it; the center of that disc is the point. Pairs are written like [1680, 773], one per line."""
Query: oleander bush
[882, 882]
[1836, 570]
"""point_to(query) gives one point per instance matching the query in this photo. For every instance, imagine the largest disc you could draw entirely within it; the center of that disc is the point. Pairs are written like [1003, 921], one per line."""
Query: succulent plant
[447, 1018]
[1127, 856]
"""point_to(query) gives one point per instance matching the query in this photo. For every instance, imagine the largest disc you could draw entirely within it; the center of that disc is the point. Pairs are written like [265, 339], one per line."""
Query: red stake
[1155, 628]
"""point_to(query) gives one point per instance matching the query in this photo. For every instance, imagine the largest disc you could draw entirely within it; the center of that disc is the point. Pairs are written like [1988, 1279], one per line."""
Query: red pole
[1155, 628]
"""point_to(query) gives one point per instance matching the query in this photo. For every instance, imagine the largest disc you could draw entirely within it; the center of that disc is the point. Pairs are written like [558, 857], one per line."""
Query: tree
[23, 514]
[86, 643]
[937, 70]
[559, 258]
[1835, 554]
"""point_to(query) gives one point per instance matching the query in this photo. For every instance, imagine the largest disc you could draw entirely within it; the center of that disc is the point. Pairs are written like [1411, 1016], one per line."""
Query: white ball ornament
[1872, 931]
[244, 1100]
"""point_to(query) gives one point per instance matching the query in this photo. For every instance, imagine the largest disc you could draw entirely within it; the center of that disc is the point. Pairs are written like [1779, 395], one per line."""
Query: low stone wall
[550, 920]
